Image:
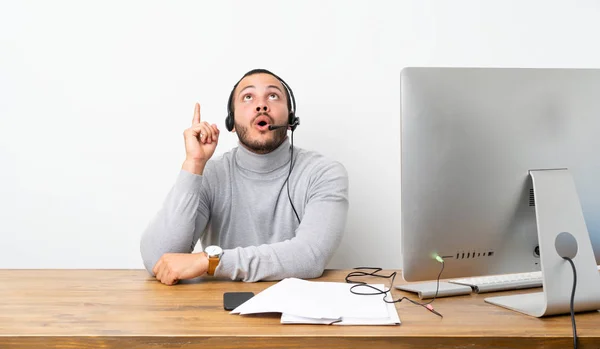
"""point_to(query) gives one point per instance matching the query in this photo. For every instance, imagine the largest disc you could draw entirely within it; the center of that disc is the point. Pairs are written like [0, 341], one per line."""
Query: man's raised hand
[200, 143]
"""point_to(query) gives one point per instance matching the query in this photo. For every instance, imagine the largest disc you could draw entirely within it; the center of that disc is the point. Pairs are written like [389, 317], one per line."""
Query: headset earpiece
[229, 122]
[293, 121]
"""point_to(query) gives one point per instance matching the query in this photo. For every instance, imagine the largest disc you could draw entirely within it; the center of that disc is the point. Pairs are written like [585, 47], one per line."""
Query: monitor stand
[558, 210]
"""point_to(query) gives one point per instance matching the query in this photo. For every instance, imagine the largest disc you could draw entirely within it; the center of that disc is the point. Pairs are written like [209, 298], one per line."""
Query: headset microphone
[293, 126]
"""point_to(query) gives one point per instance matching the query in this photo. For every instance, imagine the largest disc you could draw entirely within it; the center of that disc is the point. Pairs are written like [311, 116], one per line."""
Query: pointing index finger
[196, 119]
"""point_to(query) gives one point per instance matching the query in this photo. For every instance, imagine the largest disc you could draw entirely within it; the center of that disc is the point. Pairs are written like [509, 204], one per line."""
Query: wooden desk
[129, 309]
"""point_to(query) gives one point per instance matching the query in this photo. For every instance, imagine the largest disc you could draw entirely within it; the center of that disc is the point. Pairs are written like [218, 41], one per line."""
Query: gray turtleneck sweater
[240, 203]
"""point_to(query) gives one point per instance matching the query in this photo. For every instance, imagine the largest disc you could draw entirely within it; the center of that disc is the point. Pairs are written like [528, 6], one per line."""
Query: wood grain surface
[129, 309]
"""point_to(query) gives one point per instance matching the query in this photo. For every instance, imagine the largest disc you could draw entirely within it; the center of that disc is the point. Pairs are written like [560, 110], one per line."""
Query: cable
[392, 276]
[573, 301]
[288, 177]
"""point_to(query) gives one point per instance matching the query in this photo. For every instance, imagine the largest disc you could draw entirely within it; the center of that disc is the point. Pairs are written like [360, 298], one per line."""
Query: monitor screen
[471, 139]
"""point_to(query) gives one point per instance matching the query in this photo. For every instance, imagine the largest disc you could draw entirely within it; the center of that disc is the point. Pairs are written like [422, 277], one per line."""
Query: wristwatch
[214, 254]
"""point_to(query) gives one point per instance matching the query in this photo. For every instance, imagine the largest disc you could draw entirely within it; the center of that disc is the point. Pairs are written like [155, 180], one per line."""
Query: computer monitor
[496, 163]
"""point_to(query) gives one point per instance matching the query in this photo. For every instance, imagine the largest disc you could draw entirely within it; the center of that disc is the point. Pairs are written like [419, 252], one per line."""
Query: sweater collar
[263, 163]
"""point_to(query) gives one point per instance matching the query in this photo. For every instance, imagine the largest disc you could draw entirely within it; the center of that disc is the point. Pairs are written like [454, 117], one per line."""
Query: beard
[260, 146]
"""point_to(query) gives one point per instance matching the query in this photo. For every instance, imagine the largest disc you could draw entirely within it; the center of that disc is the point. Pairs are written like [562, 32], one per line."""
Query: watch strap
[212, 264]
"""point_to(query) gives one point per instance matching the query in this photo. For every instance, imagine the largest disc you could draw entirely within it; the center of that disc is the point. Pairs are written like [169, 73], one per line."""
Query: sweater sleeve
[317, 237]
[180, 221]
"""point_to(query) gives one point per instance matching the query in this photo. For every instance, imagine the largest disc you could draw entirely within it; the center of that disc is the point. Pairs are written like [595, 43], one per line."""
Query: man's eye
[247, 97]
[273, 96]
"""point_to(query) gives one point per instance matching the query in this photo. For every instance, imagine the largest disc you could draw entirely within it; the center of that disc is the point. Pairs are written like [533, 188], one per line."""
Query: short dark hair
[287, 89]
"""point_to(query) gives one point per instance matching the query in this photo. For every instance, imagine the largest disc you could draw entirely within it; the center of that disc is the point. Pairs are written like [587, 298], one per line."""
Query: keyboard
[504, 282]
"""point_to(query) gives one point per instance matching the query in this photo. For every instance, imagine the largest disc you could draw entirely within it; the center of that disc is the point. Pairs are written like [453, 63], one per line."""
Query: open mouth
[262, 123]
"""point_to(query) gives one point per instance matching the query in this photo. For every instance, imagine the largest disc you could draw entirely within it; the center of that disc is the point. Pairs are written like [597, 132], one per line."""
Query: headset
[293, 120]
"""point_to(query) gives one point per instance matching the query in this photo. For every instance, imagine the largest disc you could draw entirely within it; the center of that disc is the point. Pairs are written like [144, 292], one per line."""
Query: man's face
[260, 101]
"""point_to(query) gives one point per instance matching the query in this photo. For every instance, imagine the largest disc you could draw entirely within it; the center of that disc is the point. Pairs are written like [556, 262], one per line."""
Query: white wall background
[94, 97]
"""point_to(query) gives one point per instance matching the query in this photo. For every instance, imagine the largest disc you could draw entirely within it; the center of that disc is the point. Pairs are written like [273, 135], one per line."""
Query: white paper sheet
[302, 301]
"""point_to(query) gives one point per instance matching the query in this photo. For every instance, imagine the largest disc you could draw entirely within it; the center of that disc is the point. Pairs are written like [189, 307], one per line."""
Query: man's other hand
[172, 267]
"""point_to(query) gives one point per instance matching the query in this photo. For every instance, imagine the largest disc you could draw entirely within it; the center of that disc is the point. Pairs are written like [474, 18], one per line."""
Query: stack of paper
[313, 302]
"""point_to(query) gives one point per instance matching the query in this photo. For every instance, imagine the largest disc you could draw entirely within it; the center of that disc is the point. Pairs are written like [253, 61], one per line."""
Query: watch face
[213, 250]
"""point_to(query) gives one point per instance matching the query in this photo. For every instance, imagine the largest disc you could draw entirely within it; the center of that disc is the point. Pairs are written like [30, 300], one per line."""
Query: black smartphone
[232, 300]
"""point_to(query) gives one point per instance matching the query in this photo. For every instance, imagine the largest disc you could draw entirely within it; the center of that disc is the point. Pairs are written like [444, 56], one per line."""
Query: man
[266, 210]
